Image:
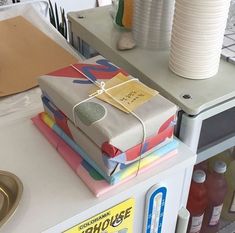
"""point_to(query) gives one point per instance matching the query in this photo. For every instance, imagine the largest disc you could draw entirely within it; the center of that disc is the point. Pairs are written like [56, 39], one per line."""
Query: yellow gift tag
[127, 95]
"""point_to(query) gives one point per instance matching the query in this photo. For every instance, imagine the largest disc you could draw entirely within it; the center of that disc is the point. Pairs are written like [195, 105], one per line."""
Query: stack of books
[105, 141]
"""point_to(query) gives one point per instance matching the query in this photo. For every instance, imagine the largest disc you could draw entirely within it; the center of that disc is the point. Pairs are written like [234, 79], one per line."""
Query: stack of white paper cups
[152, 23]
[3, 2]
[197, 37]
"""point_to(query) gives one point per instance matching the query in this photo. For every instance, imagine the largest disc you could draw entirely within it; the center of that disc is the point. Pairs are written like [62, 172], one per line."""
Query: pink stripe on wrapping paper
[45, 131]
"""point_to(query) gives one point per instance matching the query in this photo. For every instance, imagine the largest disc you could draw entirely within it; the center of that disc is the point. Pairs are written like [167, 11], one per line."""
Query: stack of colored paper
[92, 179]
[117, 141]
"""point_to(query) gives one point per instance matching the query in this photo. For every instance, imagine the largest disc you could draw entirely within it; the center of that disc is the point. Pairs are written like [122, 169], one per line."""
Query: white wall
[69, 5]
[74, 5]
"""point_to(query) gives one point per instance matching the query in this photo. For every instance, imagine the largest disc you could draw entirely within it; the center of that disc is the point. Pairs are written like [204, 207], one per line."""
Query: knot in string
[102, 88]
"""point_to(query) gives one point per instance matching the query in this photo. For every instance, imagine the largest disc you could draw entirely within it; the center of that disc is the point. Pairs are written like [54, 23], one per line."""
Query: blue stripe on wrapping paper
[51, 107]
[116, 177]
[110, 164]
[144, 148]
[82, 81]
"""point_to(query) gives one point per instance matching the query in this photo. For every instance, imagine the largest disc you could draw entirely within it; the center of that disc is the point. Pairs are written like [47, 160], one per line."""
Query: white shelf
[97, 29]
[216, 149]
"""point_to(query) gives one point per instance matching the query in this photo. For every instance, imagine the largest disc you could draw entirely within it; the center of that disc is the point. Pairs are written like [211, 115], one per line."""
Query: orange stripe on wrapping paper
[127, 14]
[44, 117]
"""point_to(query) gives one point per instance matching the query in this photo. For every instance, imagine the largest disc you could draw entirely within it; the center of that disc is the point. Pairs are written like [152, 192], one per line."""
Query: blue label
[160, 191]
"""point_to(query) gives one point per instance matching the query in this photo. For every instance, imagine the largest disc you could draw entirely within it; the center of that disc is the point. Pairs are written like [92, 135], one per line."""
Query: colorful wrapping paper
[92, 179]
[105, 125]
[110, 165]
[127, 171]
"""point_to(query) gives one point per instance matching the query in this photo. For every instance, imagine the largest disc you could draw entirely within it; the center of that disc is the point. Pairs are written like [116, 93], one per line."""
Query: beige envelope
[25, 54]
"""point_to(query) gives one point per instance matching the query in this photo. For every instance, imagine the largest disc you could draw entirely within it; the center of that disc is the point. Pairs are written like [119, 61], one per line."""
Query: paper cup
[152, 23]
[197, 37]
[180, 70]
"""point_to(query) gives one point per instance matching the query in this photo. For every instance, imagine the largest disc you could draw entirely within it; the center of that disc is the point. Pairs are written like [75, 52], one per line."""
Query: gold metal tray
[11, 189]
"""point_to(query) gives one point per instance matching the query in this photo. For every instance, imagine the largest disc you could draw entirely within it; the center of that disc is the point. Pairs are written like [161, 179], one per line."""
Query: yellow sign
[131, 93]
[118, 219]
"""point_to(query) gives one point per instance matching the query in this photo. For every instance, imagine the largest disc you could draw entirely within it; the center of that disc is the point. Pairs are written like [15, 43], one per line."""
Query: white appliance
[210, 132]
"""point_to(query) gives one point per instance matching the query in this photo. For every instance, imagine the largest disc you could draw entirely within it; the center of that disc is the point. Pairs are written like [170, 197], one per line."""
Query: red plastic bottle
[197, 201]
[216, 189]
[202, 166]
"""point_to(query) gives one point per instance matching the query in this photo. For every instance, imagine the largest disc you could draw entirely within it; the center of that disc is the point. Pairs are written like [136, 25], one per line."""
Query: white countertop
[52, 192]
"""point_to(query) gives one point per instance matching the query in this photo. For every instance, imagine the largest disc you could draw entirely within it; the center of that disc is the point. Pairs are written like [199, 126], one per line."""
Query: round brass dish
[11, 189]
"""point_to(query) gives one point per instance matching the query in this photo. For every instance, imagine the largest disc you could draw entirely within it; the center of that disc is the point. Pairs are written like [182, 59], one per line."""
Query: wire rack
[227, 227]
[228, 49]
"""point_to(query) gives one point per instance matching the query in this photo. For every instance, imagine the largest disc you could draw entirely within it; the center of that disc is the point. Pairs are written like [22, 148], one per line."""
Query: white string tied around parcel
[102, 89]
